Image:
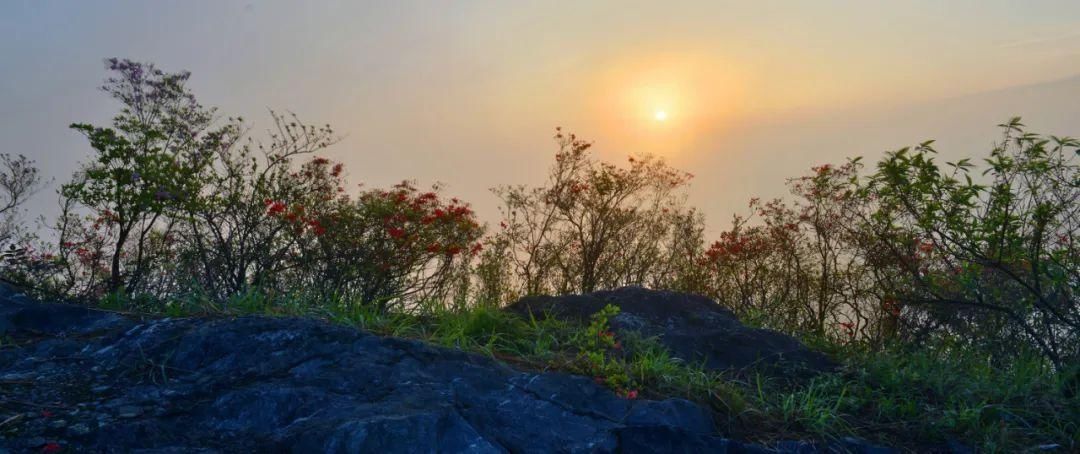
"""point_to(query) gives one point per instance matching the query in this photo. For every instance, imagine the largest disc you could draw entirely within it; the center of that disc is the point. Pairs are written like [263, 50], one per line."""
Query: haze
[468, 93]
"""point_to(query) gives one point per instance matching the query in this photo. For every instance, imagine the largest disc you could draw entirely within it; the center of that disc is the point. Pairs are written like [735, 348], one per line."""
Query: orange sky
[468, 93]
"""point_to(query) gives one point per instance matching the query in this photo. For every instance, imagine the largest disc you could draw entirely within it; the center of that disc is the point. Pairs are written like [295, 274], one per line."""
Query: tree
[19, 179]
[145, 164]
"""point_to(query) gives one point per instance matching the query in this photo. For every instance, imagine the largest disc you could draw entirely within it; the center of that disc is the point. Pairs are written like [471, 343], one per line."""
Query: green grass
[913, 399]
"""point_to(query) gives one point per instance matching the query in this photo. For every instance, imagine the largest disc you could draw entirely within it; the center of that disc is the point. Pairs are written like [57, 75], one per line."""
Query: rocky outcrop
[694, 328]
[84, 380]
[79, 380]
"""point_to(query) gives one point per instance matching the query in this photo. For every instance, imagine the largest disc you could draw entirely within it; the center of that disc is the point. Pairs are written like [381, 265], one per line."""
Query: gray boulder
[694, 328]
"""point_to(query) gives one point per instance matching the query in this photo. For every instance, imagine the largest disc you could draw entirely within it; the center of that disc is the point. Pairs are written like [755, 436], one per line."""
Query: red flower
[51, 447]
[396, 232]
[316, 227]
[276, 208]
[632, 394]
[849, 328]
[891, 306]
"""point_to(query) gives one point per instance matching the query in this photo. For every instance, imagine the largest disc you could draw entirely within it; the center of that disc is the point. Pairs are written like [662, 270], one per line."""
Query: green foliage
[930, 396]
[602, 354]
[145, 164]
[990, 260]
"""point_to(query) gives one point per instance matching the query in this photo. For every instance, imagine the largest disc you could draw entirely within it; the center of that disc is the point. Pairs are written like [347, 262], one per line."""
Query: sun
[660, 115]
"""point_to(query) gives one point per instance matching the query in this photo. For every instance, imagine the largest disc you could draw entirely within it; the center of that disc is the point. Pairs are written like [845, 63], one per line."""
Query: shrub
[173, 204]
[594, 225]
[392, 246]
[993, 261]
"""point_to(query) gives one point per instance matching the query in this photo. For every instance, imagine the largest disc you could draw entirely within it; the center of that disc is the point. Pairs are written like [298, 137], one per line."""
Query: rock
[254, 384]
[128, 412]
[21, 313]
[694, 328]
[78, 430]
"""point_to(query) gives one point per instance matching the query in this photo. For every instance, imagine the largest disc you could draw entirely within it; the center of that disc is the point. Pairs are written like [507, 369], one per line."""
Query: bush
[595, 225]
[991, 263]
[173, 204]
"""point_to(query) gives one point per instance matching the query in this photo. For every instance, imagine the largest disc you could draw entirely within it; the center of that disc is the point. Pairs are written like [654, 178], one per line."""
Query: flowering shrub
[594, 225]
[917, 252]
[393, 245]
[802, 268]
[180, 206]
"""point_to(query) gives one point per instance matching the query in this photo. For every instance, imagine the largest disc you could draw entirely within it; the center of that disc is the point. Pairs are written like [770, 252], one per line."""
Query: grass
[915, 399]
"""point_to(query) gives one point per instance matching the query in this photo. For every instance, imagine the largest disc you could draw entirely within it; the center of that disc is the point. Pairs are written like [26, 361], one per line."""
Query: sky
[468, 93]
